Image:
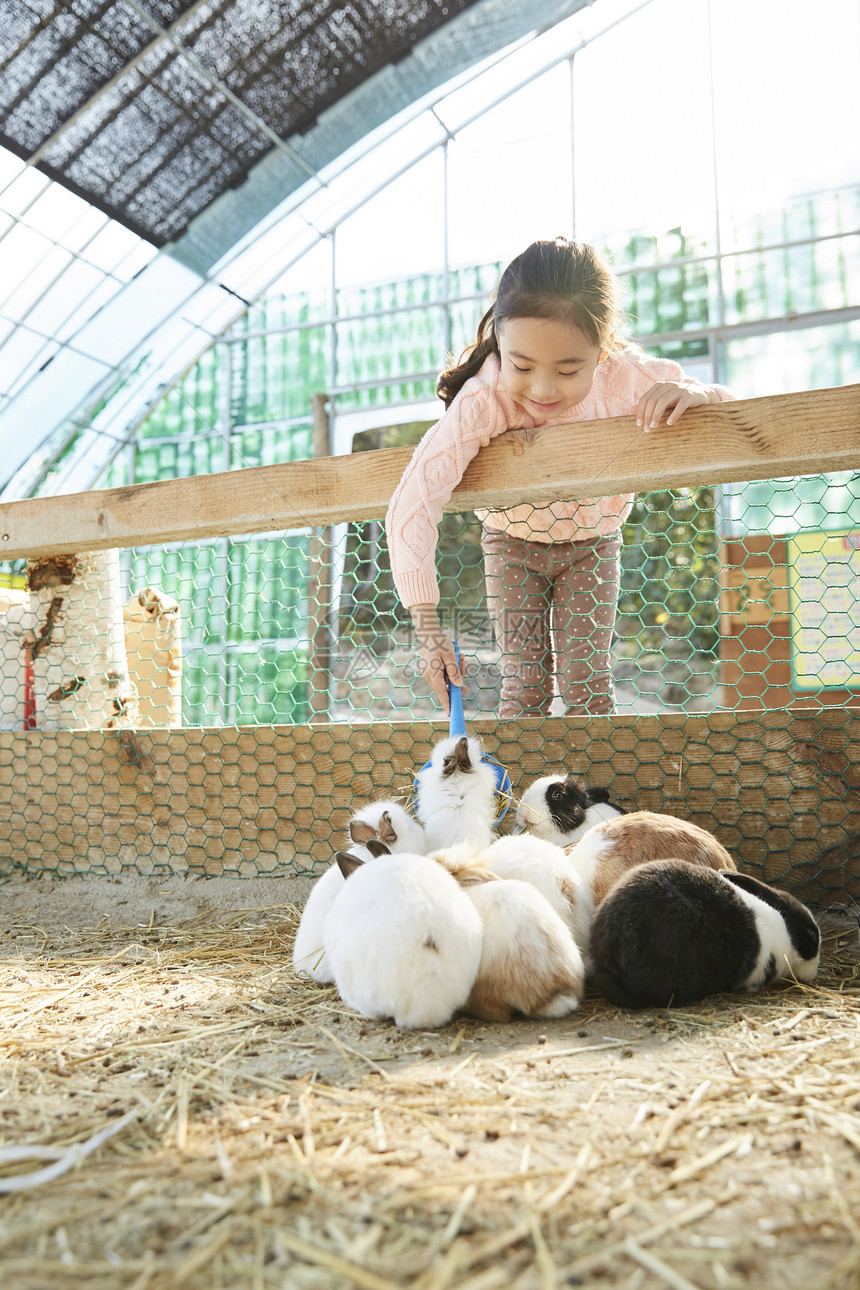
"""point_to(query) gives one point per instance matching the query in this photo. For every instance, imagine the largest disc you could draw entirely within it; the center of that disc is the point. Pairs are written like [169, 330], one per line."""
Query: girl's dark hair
[559, 280]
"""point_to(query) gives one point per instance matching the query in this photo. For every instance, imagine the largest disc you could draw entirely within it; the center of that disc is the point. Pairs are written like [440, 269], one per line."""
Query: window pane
[642, 123]
[194, 406]
[302, 295]
[510, 174]
[786, 98]
[399, 230]
[795, 280]
[390, 345]
[811, 359]
[73, 289]
[273, 377]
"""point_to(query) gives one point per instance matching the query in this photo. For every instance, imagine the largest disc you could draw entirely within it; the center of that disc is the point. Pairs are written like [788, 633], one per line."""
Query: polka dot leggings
[553, 606]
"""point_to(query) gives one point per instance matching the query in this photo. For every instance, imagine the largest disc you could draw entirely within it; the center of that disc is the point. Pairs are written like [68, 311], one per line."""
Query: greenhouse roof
[151, 111]
[203, 129]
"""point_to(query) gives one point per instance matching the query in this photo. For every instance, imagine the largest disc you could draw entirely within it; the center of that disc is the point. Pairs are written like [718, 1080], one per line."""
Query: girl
[548, 351]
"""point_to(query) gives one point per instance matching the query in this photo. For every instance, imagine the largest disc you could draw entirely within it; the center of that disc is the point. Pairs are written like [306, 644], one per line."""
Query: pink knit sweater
[482, 410]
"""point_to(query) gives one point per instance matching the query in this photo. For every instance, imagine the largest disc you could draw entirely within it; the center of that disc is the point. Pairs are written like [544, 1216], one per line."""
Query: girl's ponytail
[453, 378]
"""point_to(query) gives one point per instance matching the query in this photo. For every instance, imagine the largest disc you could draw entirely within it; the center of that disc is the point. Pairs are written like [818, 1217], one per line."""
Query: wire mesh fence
[224, 706]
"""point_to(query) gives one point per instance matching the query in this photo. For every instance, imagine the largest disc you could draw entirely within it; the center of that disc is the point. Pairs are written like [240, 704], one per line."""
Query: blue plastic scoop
[457, 727]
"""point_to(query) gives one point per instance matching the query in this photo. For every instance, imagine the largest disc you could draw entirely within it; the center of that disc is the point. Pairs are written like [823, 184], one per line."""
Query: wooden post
[320, 588]
[153, 642]
[80, 668]
[15, 621]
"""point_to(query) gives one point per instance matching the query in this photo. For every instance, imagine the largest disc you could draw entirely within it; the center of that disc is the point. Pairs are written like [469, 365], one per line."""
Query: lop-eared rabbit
[309, 956]
[389, 823]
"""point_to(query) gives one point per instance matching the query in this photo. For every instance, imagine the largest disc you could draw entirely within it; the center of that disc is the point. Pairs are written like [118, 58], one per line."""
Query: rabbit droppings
[671, 933]
[456, 795]
[403, 940]
[610, 849]
[561, 809]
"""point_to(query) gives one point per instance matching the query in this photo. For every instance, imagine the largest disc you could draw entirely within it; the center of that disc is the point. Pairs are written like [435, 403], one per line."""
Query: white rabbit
[561, 809]
[403, 940]
[546, 867]
[529, 961]
[456, 795]
[389, 823]
[309, 957]
[672, 933]
[608, 850]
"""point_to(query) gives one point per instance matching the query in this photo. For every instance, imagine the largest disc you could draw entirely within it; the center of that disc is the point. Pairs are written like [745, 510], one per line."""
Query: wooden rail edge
[786, 434]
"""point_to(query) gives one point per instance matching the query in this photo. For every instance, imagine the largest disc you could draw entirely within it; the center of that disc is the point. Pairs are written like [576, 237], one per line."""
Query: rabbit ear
[361, 832]
[347, 863]
[386, 829]
[755, 887]
[475, 877]
[577, 790]
[377, 848]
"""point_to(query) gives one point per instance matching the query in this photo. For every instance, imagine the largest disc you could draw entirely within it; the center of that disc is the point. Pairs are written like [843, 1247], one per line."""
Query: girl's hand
[669, 397]
[436, 657]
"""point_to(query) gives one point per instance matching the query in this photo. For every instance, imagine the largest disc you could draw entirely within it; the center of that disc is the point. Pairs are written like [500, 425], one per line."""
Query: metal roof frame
[125, 360]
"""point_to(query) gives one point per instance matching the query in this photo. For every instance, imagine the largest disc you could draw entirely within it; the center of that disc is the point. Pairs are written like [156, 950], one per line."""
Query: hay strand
[263, 1135]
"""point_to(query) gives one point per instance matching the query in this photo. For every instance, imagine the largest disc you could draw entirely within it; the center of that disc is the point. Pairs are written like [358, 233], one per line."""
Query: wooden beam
[788, 434]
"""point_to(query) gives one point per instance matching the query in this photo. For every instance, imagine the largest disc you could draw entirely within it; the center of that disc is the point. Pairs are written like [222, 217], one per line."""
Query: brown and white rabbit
[561, 809]
[455, 796]
[387, 822]
[610, 849]
[530, 963]
[672, 933]
[309, 957]
[403, 940]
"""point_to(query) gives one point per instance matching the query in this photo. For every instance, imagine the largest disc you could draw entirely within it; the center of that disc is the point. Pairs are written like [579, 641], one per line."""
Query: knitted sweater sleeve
[645, 371]
[476, 416]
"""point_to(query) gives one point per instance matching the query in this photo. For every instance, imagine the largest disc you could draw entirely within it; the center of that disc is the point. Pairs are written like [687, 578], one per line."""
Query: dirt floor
[249, 1131]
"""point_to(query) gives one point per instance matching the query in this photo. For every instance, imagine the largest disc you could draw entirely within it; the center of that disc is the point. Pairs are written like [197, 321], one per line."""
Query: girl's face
[547, 367]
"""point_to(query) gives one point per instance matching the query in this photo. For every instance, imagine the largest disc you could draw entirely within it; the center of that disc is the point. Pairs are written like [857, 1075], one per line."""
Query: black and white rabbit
[671, 933]
[561, 809]
[455, 796]
[389, 823]
[403, 940]
[309, 957]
